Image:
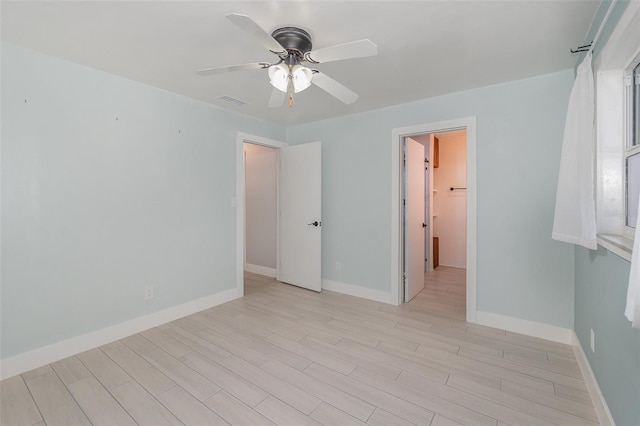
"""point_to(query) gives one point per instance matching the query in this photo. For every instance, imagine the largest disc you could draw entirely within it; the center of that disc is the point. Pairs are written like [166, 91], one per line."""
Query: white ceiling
[426, 48]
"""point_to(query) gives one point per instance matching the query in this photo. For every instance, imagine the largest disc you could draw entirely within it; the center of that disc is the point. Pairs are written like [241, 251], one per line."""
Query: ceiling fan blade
[334, 88]
[231, 68]
[247, 24]
[277, 98]
[354, 49]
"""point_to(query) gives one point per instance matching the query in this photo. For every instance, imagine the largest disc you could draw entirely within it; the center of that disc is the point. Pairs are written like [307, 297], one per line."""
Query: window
[617, 69]
[632, 148]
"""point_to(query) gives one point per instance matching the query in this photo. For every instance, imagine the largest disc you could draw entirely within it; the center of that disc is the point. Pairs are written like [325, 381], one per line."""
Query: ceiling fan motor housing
[295, 40]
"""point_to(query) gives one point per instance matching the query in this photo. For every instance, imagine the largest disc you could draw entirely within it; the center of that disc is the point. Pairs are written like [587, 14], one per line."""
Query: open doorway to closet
[261, 209]
[434, 191]
[444, 202]
[436, 217]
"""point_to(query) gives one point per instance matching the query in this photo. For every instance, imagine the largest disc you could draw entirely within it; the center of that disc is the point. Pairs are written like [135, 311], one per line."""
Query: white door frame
[397, 237]
[428, 206]
[241, 138]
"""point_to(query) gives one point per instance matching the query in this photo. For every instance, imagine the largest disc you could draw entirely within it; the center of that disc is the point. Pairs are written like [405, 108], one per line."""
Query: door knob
[316, 223]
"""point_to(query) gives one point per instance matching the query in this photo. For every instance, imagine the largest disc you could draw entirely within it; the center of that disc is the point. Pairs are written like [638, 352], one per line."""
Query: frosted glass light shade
[279, 77]
[301, 78]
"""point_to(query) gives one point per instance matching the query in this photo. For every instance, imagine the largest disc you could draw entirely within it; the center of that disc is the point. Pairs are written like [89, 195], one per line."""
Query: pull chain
[290, 88]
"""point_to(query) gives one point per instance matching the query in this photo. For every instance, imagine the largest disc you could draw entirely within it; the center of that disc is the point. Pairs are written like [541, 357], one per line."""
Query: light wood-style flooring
[287, 356]
[444, 293]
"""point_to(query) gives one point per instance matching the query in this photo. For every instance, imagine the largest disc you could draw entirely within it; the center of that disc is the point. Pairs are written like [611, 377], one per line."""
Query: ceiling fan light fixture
[279, 77]
[301, 78]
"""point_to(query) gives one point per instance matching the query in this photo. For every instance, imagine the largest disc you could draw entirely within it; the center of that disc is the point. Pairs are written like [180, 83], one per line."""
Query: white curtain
[575, 216]
[632, 310]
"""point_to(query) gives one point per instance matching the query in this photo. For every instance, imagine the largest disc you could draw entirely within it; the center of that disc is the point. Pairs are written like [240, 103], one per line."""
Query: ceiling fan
[293, 46]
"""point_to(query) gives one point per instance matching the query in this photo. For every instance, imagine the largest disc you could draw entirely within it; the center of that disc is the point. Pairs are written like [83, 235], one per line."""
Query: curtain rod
[583, 48]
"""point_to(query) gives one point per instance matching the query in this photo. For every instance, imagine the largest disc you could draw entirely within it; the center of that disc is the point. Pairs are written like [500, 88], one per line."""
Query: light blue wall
[600, 297]
[107, 186]
[95, 208]
[601, 294]
[522, 273]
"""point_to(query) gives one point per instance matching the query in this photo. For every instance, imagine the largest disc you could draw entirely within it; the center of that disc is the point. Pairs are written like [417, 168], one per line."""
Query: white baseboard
[26, 361]
[260, 270]
[530, 328]
[599, 403]
[355, 290]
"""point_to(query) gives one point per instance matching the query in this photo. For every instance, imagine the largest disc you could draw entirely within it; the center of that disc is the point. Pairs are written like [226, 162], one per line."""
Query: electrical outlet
[148, 292]
[592, 341]
[338, 266]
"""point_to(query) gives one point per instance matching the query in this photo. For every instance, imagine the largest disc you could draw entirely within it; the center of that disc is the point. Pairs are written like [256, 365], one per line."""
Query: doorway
[261, 207]
[255, 271]
[398, 260]
[434, 199]
[298, 221]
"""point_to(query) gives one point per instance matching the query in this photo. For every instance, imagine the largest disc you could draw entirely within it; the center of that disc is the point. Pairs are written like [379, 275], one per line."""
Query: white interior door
[414, 218]
[300, 223]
